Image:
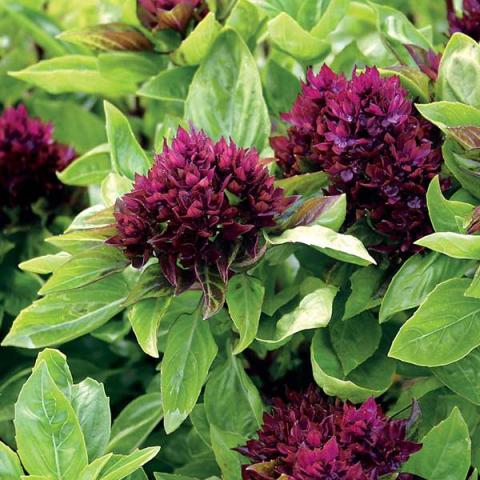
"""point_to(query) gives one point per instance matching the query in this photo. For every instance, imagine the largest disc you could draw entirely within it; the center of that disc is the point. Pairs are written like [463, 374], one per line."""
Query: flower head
[469, 23]
[170, 14]
[366, 135]
[201, 204]
[29, 160]
[314, 438]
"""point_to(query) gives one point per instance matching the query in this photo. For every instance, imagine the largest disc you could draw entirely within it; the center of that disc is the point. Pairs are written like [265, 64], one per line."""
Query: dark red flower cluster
[170, 14]
[366, 135]
[202, 204]
[469, 23]
[314, 438]
[29, 160]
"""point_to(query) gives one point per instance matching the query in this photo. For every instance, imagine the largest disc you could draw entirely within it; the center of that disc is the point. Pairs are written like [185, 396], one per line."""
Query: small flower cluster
[201, 204]
[29, 160]
[366, 135]
[314, 438]
[170, 14]
[469, 23]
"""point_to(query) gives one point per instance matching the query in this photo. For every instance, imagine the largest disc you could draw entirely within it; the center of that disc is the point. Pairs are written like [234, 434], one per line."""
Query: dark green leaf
[135, 423]
[232, 402]
[355, 340]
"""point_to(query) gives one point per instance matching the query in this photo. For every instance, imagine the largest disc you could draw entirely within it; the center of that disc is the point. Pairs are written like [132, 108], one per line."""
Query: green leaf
[195, 48]
[274, 7]
[36, 23]
[128, 157]
[287, 35]
[397, 31]
[49, 438]
[73, 124]
[329, 21]
[443, 330]
[365, 285]
[130, 68]
[327, 211]
[416, 82]
[93, 218]
[345, 248]
[93, 411]
[459, 72]
[145, 317]
[444, 213]
[78, 241]
[72, 73]
[246, 19]
[417, 277]
[455, 245]
[463, 377]
[58, 369]
[114, 186]
[10, 468]
[464, 169]
[135, 423]
[448, 115]
[232, 402]
[355, 340]
[244, 299]
[280, 87]
[306, 184]
[61, 317]
[188, 355]
[313, 311]
[85, 268]
[108, 36]
[92, 471]
[446, 451]
[120, 466]
[91, 168]
[370, 379]
[170, 85]
[151, 284]
[229, 83]
[228, 460]
[474, 289]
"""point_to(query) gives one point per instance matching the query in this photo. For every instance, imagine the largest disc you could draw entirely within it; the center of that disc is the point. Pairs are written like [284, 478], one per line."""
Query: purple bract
[202, 204]
[315, 438]
[366, 134]
[29, 160]
[469, 23]
[170, 14]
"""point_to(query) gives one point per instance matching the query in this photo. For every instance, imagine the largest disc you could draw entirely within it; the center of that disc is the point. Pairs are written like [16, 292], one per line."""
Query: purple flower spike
[315, 438]
[366, 134]
[469, 23]
[202, 204]
[29, 160]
